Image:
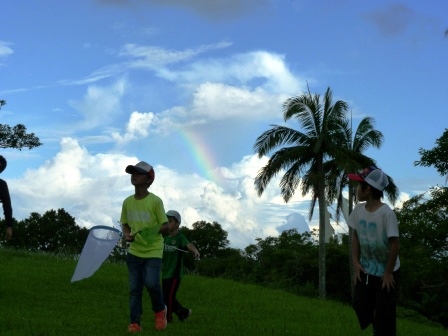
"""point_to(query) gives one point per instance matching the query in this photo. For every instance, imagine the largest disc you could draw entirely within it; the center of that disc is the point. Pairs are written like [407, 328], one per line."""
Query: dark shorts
[376, 306]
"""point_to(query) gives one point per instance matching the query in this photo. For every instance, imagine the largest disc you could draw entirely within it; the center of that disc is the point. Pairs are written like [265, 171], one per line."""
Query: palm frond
[366, 136]
[276, 137]
[391, 190]
[283, 159]
[290, 181]
[306, 109]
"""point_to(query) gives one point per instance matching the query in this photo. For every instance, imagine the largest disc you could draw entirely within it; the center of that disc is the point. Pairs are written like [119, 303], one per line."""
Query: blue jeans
[144, 272]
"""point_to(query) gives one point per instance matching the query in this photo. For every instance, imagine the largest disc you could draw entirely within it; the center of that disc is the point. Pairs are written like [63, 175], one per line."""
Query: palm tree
[365, 136]
[304, 154]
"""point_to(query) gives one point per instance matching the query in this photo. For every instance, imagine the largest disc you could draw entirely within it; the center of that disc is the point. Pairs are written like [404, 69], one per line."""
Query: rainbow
[202, 155]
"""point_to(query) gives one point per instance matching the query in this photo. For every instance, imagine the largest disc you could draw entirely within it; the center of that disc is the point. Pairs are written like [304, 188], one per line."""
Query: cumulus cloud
[246, 87]
[143, 124]
[295, 221]
[217, 101]
[259, 69]
[91, 187]
[137, 126]
[75, 180]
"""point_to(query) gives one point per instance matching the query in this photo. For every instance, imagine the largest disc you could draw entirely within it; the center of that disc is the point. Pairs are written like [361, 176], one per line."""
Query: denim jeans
[144, 272]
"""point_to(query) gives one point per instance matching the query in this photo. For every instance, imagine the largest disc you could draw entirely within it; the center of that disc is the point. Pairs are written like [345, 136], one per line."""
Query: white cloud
[402, 197]
[151, 57]
[137, 127]
[91, 188]
[5, 50]
[218, 101]
[143, 124]
[245, 87]
[88, 187]
[256, 70]
[100, 105]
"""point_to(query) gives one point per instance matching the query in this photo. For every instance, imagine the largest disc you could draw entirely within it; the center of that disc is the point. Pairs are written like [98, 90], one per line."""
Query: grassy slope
[37, 298]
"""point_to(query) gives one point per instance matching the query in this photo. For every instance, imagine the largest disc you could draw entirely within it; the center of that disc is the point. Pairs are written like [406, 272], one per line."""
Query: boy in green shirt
[144, 221]
[176, 245]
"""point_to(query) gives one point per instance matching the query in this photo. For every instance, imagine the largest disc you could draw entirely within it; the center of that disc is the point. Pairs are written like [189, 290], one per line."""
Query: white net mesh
[99, 244]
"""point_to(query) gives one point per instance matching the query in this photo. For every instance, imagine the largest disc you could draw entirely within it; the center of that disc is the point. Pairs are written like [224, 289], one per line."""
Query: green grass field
[37, 298]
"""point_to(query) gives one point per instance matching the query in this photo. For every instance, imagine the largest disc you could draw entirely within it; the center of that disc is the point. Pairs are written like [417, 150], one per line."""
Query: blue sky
[188, 86]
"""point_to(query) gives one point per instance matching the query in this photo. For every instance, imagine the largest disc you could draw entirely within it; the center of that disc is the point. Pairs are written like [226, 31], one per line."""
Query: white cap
[142, 168]
[175, 214]
[373, 176]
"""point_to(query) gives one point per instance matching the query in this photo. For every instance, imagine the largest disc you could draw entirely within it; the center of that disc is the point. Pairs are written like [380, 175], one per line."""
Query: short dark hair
[376, 194]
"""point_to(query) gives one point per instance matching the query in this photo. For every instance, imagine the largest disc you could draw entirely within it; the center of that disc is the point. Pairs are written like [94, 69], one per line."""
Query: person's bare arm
[193, 249]
[127, 232]
[356, 254]
[388, 277]
[164, 229]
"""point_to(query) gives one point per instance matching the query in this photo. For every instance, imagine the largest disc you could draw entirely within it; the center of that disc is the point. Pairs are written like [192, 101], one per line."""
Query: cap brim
[135, 170]
[355, 177]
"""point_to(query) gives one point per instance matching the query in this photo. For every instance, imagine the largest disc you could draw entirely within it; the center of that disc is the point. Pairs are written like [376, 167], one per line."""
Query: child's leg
[181, 312]
[167, 285]
[174, 286]
[135, 287]
[385, 311]
[363, 302]
[151, 271]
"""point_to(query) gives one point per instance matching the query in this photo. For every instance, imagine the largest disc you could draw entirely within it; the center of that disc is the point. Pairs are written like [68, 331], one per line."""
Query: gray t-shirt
[374, 230]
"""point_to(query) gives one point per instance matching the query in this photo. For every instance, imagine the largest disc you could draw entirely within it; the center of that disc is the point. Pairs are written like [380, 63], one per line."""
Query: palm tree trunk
[322, 213]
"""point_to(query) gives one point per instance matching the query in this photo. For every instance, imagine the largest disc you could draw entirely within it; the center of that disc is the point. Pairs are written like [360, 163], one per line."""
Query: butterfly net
[99, 244]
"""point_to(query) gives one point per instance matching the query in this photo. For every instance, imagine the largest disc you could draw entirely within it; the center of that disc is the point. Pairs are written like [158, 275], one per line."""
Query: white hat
[372, 176]
[141, 168]
[175, 214]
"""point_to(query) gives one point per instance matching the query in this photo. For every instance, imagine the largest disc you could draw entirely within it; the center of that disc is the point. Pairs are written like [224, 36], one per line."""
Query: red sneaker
[161, 319]
[134, 328]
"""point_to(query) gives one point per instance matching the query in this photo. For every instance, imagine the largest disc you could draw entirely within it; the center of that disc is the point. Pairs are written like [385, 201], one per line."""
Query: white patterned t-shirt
[374, 230]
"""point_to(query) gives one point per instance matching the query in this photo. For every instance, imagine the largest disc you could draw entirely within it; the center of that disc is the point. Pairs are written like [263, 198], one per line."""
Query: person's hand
[9, 233]
[130, 238]
[197, 255]
[358, 269]
[388, 281]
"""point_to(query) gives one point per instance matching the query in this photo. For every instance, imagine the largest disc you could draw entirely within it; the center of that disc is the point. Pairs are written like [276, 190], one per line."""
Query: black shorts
[376, 306]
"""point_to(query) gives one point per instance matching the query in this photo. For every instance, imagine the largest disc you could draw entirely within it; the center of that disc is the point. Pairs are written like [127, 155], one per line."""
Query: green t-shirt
[173, 259]
[145, 216]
